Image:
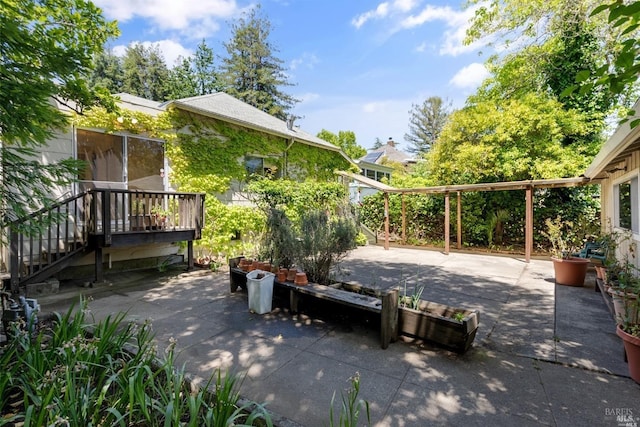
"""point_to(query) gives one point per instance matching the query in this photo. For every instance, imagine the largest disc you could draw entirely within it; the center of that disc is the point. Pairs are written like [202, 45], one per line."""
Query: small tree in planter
[323, 243]
[279, 244]
[569, 270]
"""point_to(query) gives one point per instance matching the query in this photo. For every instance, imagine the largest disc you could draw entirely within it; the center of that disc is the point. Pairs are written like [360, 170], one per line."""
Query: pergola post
[404, 221]
[528, 224]
[386, 221]
[459, 220]
[447, 232]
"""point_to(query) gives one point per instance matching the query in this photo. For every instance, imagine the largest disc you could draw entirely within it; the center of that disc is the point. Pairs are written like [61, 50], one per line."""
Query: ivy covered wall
[208, 155]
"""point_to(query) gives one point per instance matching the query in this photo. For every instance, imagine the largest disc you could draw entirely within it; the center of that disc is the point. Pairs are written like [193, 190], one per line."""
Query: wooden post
[459, 220]
[386, 221]
[447, 232]
[99, 273]
[528, 227]
[14, 262]
[389, 318]
[190, 255]
[404, 221]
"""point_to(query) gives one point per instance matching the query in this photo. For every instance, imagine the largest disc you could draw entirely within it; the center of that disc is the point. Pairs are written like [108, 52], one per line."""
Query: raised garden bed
[450, 327]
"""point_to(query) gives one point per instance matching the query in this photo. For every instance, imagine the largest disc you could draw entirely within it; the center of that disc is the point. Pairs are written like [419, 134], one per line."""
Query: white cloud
[383, 10]
[456, 22]
[170, 49]
[309, 60]
[470, 76]
[171, 14]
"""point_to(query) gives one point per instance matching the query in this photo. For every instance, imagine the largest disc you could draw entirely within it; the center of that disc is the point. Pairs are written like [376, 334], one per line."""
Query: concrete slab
[544, 354]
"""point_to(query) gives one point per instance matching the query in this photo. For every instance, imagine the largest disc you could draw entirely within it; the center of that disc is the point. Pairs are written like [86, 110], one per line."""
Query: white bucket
[260, 290]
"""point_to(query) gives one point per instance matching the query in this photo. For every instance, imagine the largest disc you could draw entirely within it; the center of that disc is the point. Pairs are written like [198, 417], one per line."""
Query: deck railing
[52, 236]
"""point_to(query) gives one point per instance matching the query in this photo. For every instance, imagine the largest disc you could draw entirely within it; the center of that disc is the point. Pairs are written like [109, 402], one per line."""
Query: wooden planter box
[434, 323]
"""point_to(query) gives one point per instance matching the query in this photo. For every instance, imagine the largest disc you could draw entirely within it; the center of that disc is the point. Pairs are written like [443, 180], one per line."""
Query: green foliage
[145, 72]
[279, 239]
[351, 406]
[425, 123]
[296, 198]
[80, 372]
[251, 72]
[323, 242]
[346, 140]
[47, 49]
[510, 140]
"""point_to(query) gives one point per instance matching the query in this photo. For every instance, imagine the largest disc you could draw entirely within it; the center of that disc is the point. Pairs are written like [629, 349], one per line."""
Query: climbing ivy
[207, 155]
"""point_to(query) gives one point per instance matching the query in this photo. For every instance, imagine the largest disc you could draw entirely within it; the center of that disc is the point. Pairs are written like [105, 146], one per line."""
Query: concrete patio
[544, 354]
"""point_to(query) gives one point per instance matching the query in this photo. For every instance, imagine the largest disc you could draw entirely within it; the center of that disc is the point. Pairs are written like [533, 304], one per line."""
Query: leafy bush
[77, 372]
[323, 243]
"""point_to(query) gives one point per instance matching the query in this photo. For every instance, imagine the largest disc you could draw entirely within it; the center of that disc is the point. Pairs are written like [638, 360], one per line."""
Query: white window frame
[634, 179]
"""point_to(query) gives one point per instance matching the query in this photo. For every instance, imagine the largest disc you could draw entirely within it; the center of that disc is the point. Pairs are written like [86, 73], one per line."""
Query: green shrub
[77, 372]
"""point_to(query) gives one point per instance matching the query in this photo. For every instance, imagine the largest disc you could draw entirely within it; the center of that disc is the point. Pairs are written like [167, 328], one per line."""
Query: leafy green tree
[107, 72]
[47, 50]
[181, 82]
[251, 72]
[558, 43]
[509, 140]
[426, 123]
[346, 140]
[145, 72]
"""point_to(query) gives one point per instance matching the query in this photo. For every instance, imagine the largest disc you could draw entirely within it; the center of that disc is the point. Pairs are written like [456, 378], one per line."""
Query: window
[126, 161]
[103, 154]
[261, 166]
[626, 205]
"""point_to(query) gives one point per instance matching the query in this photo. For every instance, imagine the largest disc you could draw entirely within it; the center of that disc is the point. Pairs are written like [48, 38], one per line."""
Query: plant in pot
[627, 292]
[323, 243]
[569, 269]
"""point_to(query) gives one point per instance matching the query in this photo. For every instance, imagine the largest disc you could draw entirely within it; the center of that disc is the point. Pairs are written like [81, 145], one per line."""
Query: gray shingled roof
[225, 107]
[135, 103]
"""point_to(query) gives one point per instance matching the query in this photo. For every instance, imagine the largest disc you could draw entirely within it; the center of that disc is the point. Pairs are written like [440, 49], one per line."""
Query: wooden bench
[386, 305]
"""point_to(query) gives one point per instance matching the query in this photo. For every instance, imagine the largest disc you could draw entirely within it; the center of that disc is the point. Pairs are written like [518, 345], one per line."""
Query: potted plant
[450, 327]
[569, 270]
[159, 216]
[625, 290]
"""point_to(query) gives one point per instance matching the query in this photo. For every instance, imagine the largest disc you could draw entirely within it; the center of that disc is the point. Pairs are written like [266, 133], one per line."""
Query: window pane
[254, 165]
[624, 194]
[145, 163]
[103, 154]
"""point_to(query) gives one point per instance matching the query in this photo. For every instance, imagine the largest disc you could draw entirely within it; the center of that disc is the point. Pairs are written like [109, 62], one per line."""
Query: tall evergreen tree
[426, 123]
[145, 72]
[251, 72]
[182, 81]
[107, 72]
[205, 74]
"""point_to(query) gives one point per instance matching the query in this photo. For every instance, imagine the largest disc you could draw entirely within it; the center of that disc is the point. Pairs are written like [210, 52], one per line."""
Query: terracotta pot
[266, 267]
[625, 306]
[571, 271]
[632, 348]
[291, 275]
[282, 275]
[301, 279]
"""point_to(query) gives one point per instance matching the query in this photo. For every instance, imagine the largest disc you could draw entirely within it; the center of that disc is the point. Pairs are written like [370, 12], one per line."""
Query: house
[376, 165]
[265, 145]
[617, 167]
[125, 212]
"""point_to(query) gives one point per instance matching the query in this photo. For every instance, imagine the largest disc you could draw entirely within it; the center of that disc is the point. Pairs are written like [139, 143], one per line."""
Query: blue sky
[357, 65]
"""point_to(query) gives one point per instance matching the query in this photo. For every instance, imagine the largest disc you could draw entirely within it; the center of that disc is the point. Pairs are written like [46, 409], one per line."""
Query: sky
[356, 65]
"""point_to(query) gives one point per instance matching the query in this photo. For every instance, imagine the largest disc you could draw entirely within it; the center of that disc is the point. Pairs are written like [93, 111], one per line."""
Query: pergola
[447, 190]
